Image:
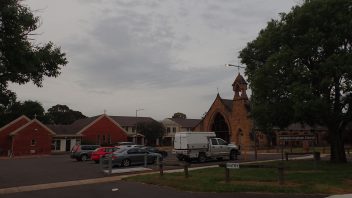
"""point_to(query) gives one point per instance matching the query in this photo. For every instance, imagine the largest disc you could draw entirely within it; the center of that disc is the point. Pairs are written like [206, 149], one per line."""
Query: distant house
[25, 137]
[100, 130]
[28, 137]
[173, 125]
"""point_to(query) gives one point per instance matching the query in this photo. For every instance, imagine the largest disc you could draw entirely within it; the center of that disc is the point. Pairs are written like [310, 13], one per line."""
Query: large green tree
[179, 115]
[62, 114]
[300, 69]
[151, 130]
[31, 109]
[21, 59]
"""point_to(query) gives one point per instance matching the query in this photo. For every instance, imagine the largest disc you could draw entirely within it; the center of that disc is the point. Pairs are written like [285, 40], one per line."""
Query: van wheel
[84, 157]
[202, 158]
[180, 157]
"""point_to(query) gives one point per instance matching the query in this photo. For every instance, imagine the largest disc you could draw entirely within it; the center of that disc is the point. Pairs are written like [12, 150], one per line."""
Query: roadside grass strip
[301, 176]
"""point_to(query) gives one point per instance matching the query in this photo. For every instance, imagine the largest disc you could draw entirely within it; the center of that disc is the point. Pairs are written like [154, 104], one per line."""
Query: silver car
[132, 156]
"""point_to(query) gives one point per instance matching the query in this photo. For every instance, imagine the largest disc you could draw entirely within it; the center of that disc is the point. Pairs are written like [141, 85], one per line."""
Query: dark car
[155, 150]
[83, 152]
[133, 156]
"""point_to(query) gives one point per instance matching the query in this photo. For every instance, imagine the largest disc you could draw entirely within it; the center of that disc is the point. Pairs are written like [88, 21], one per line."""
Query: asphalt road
[137, 190]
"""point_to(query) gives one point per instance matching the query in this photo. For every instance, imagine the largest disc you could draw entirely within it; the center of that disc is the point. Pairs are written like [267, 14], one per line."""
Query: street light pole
[136, 131]
[238, 66]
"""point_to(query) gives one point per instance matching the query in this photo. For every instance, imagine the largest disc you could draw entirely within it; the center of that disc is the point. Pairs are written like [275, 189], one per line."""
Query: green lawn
[300, 177]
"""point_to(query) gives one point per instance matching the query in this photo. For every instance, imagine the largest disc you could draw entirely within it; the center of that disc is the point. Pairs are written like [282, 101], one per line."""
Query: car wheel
[126, 163]
[202, 158]
[84, 157]
[96, 161]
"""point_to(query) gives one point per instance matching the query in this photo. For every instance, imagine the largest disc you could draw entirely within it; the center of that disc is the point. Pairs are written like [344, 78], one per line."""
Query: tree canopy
[62, 114]
[179, 115]
[151, 130]
[299, 69]
[21, 59]
[31, 109]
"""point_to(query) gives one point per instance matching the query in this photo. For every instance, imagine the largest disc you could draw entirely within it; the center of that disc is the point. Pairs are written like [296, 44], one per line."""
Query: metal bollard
[161, 169]
[145, 160]
[101, 164]
[186, 170]
[227, 175]
[157, 160]
[110, 164]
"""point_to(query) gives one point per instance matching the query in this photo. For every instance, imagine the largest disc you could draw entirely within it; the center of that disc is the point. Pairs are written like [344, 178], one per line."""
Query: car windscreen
[120, 150]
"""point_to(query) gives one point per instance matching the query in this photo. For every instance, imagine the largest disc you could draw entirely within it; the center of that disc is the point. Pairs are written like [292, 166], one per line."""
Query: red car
[101, 152]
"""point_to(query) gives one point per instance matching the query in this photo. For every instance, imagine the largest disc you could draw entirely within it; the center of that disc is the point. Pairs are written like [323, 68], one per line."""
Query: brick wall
[23, 140]
[104, 128]
[5, 139]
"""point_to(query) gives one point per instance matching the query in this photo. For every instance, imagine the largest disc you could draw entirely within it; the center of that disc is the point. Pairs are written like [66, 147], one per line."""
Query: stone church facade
[229, 118]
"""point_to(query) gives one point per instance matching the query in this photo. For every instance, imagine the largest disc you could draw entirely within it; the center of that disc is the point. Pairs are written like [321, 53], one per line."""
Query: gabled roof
[77, 127]
[186, 123]
[29, 123]
[239, 80]
[130, 120]
[15, 121]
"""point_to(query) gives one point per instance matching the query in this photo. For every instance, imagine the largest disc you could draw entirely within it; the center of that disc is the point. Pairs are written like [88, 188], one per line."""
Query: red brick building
[100, 130]
[25, 137]
[229, 118]
[30, 137]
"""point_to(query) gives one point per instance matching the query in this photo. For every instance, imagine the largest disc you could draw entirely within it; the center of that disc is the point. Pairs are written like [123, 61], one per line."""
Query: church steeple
[240, 87]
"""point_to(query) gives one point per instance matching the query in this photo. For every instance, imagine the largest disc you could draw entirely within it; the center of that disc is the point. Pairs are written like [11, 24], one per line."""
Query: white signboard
[233, 165]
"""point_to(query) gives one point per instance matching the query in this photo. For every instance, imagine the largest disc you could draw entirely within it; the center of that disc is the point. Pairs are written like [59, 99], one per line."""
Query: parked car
[121, 145]
[132, 156]
[124, 143]
[101, 152]
[82, 152]
[156, 150]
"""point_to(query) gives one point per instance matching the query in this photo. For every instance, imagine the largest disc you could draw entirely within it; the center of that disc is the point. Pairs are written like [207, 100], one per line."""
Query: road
[137, 190]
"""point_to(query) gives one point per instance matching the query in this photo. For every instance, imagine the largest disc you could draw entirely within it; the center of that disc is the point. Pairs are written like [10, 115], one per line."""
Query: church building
[229, 118]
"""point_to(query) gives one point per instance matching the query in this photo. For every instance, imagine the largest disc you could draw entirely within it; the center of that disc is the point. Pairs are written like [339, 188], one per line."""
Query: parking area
[45, 169]
[59, 168]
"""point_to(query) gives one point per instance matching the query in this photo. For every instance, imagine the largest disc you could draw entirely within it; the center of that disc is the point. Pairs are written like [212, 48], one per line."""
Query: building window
[133, 129]
[98, 139]
[174, 129]
[33, 142]
[103, 139]
[109, 139]
[168, 129]
[56, 145]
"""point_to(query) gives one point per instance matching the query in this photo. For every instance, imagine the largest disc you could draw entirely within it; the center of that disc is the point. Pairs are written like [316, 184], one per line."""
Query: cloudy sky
[163, 56]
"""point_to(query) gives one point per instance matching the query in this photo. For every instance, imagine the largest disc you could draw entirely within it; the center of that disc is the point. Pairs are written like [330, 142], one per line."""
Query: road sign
[233, 165]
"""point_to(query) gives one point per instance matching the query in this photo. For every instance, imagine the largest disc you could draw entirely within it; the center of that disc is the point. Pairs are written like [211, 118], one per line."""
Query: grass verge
[305, 177]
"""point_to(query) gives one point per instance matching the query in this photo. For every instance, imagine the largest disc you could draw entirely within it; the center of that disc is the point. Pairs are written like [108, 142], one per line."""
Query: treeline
[58, 114]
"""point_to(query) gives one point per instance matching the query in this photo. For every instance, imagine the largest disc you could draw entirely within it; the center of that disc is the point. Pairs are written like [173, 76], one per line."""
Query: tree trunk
[337, 149]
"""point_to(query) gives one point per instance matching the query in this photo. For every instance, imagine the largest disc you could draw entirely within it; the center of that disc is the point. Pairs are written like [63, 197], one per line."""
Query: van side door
[215, 148]
[223, 147]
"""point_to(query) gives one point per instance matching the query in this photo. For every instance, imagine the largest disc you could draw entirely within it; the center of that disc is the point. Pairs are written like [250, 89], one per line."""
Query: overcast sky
[163, 56]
